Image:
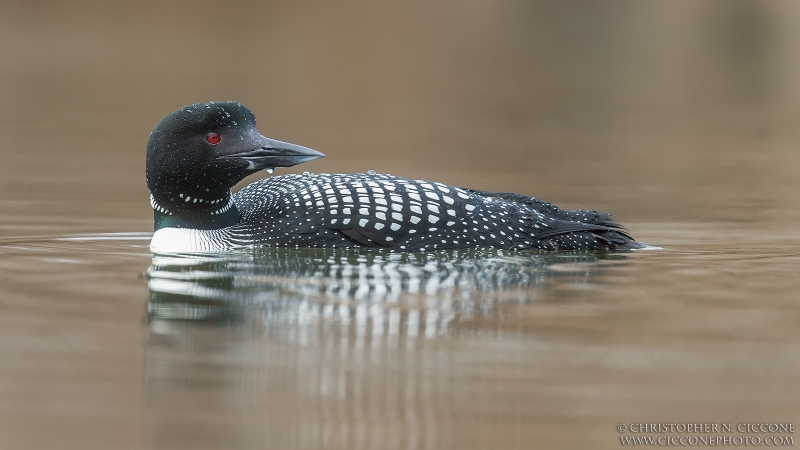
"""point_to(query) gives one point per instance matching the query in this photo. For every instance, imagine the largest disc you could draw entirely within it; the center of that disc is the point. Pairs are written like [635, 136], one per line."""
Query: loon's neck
[212, 218]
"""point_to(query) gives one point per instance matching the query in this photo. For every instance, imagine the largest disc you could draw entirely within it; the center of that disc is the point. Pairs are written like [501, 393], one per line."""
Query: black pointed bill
[272, 153]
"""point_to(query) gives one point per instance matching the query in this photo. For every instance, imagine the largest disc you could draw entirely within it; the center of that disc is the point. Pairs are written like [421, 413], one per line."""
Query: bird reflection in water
[325, 348]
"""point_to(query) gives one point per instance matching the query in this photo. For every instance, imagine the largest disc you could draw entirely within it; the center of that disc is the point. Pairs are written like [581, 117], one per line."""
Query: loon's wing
[376, 214]
[551, 210]
[596, 223]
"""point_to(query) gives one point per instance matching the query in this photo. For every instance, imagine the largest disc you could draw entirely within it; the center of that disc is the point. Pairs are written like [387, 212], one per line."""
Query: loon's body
[196, 154]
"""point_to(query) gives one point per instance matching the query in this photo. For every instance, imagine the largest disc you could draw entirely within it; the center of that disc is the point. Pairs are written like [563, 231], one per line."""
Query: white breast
[180, 240]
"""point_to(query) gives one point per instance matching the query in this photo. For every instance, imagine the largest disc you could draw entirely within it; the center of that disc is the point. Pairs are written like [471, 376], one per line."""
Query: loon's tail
[576, 235]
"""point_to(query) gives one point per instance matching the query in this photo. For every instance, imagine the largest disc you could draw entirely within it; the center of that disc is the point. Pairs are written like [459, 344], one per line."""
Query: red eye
[213, 138]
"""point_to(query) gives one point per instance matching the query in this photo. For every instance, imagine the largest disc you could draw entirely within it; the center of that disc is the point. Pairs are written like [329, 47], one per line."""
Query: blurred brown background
[656, 110]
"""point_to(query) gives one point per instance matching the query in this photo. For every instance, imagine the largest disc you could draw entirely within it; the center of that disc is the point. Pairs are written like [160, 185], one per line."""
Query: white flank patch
[181, 240]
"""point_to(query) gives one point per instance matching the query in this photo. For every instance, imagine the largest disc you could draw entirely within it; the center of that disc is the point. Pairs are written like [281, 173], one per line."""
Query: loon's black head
[197, 153]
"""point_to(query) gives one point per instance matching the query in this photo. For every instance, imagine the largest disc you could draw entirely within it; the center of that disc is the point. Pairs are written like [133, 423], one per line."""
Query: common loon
[196, 154]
